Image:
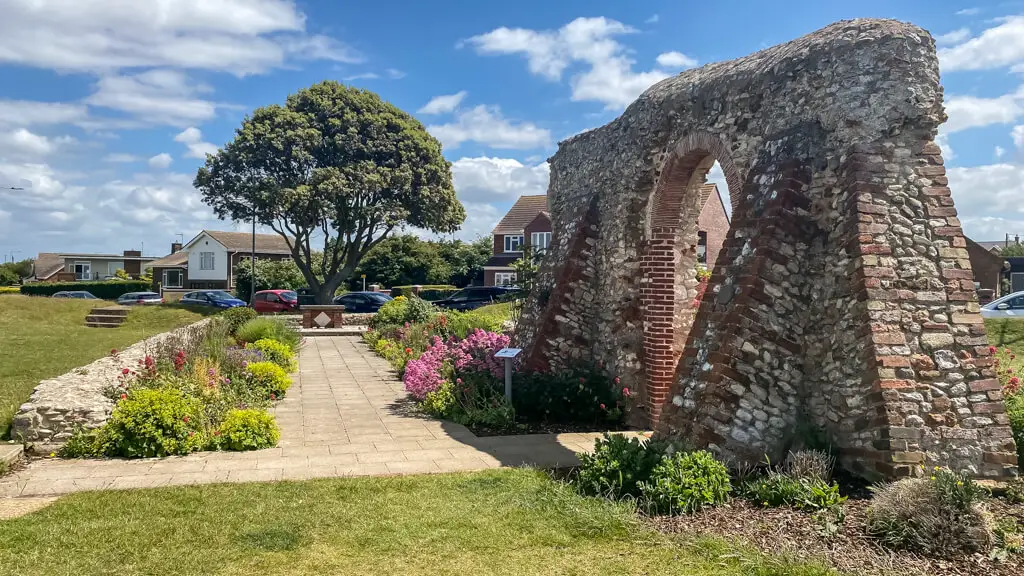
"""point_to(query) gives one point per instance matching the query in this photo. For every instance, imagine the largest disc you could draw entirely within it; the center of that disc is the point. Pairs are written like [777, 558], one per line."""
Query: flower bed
[447, 363]
[207, 388]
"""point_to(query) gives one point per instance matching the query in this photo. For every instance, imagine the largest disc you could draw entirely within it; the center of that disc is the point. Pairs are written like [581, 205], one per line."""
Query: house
[209, 260]
[528, 223]
[71, 267]
[988, 267]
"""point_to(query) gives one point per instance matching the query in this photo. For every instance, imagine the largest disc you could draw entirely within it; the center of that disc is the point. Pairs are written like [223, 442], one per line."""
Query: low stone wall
[60, 405]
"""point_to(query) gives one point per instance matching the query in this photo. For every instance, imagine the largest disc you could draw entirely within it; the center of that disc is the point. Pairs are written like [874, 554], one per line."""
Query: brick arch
[669, 257]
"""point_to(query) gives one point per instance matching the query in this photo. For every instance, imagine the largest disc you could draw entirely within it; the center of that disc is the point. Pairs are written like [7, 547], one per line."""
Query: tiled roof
[522, 213]
[47, 264]
[242, 242]
[179, 258]
[990, 244]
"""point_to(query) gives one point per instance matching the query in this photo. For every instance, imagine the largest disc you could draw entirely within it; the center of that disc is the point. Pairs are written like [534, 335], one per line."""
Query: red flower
[1014, 381]
[125, 371]
[602, 406]
[113, 351]
[216, 432]
[626, 392]
[185, 419]
[124, 396]
[191, 434]
[617, 380]
[273, 397]
[992, 350]
[408, 350]
[582, 380]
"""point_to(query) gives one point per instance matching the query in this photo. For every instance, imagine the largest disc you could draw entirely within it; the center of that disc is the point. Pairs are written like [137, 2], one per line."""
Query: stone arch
[669, 257]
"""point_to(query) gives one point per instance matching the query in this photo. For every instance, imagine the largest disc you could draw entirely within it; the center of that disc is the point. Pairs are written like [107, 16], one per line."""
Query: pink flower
[273, 396]
[991, 349]
[125, 371]
[124, 396]
[602, 407]
[626, 392]
[617, 380]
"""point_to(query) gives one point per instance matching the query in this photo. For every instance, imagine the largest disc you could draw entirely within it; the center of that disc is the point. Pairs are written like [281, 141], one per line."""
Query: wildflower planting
[205, 389]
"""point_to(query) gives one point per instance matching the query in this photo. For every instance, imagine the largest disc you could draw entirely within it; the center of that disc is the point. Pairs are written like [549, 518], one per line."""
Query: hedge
[10, 289]
[433, 289]
[435, 294]
[107, 290]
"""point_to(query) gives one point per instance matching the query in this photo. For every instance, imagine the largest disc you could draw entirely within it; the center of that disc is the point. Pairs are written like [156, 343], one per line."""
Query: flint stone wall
[75, 400]
[842, 302]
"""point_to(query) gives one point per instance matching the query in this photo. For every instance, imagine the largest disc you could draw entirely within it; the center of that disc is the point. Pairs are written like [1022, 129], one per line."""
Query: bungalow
[72, 267]
[209, 260]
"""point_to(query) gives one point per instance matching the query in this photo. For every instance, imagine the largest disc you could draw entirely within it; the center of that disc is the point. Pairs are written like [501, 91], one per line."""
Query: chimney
[132, 253]
[175, 247]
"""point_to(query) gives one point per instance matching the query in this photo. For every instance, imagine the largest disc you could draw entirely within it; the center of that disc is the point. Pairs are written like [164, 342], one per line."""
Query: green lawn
[496, 522]
[46, 337]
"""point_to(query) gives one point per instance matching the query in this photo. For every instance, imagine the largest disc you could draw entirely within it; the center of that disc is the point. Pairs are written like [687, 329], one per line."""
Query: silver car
[132, 298]
[1009, 306]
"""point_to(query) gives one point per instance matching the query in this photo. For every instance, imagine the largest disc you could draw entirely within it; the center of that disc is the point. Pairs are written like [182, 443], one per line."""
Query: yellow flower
[52, 454]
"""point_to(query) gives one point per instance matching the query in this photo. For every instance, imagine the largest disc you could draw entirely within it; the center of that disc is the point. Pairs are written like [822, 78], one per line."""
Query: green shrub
[579, 396]
[435, 294]
[83, 443]
[107, 289]
[419, 310]
[440, 402]
[276, 352]
[777, 489]
[938, 516]
[460, 324]
[154, 422]
[268, 328]
[1015, 412]
[267, 380]
[237, 316]
[407, 291]
[248, 430]
[392, 312]
[1015, 491]
[617, 466]
[686, 482]
[10, 289]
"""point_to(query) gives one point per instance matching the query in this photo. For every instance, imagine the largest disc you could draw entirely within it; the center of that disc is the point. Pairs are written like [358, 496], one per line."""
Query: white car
[1009, 306]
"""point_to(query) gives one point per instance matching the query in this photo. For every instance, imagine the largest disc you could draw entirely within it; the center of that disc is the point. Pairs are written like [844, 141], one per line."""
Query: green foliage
[1015, 412]
[401, 310]
[8, 277]
[334, 161]
[939, 516]
[1015, 491]
[154, 422]
[248, 430]
[9, 290]
[686, 482]
[617, 466]
[778, 489]
[579, 395]
[83, 443]
[237, 316]
[268, 328]
[107, 289]
[120, 274]
[276, 352]
[1008, 539]
[1012, 251]
[526, 269]
[267, 380]
[270, 275]
[429, 292]
[419, 310]
[440, 402]
[403, 260]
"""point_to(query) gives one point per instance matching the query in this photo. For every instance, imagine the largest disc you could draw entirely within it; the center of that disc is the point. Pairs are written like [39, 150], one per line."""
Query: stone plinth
[322, 316]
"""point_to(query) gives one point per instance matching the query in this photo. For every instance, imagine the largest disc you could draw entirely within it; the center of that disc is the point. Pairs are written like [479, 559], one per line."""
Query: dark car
[274, 301]
[362, 302]
[80, 294]
[215, 298]
[476, 296]
[132, 298]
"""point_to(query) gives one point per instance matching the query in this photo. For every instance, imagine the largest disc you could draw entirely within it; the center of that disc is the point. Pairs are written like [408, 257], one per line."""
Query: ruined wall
[841, 300]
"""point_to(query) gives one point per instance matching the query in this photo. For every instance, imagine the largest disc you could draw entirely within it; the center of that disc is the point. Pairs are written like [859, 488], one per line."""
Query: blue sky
[108, 106]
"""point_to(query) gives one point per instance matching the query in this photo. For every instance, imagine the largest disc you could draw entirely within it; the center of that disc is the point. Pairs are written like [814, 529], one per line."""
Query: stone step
[105, 318]
[343, 331]
[9, 454]
[121, 311]
[101, 324]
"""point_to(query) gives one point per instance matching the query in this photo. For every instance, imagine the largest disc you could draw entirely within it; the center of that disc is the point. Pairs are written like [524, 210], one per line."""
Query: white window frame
[181, 278]
[504, 278]
[202, 261]
[540, 241]
[86, 270]
[513, 243]
[112, 268]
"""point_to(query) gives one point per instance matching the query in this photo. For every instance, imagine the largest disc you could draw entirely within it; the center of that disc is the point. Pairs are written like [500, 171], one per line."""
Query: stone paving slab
[346, 415]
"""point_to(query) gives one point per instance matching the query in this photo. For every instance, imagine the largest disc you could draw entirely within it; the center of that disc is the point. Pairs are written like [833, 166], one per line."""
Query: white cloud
[31, 113]
[1002, 45]
[954, 37]
[981, 191]
[971, 111]
[968, 12]
[653, 19]
[608, 76]
[942, 140]
[121, 158]
[1017, 134]
[236, 36]
[485, 125]
[22, 143]
[192, 138]
[486, 179]
[1000, 151]
[443, 104]
[161, 161]
[395, 74]
[480, 220]
[155, 96]
[673, 60]
[391, 73]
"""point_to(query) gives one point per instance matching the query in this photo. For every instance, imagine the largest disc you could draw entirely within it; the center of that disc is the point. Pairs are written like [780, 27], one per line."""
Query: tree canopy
[336, 170]
[12, 272]
[407, 260]
[1012, 251]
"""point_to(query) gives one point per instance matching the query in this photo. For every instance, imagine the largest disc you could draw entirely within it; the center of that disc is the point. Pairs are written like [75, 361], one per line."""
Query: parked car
[1009, 306]
[132, 298]
[476, 296]
[275, 301]
[362, 302]
[215, 298]
[80, 294]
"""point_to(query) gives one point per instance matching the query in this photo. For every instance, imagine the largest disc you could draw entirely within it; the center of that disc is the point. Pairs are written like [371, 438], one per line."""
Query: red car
[275, 301]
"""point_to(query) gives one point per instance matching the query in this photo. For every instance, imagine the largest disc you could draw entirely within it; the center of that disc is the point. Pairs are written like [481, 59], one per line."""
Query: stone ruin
[843, 301]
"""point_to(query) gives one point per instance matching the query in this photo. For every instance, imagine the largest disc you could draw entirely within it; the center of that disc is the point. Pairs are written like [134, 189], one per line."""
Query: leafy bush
[810, 465]
[10, 289]
[1015, 491]
[154, 422]
[248, 430]
[441, 401]
[1015, 412]
[268, 328]
[107, 289]
[267, 380]
[435, 294]
[276, 352]
[686, 482]
[83, 443]
[617, 466]
[576, 396]
[777, 489]
[419, 310]
[393, 312]
[407, 291]
[461, 324]
[938, 516]
[237, 316]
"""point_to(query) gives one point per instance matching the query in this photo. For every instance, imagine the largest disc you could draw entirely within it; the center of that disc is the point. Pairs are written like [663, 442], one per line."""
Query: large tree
[335, 170]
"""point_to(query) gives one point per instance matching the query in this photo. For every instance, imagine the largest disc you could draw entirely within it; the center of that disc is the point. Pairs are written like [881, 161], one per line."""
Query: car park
[139, 298]
[1009, 306]
[362, 302]
[474, 297]
[79, 294]
[214, 298]
[275, 301]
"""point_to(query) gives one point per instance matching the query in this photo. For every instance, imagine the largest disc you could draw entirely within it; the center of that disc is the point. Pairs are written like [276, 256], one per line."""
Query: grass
[46, 337]
[501, 311]
[496, 522]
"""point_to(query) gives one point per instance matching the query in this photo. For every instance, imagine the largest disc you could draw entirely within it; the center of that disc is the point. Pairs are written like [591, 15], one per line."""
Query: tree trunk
[325, 295]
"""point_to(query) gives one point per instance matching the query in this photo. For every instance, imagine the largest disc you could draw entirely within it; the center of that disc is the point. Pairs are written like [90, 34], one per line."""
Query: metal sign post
[509, 354]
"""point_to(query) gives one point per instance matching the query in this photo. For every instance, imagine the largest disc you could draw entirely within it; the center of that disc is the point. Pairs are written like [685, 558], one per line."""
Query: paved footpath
[345, 415]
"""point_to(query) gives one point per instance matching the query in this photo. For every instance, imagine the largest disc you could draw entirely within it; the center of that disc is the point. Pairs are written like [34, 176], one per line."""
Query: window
[172, 278]
[513, 243]
[1017, 281]
[702, 247]
[206, 260]
[113, 267]
[83, 271]
[540, 241]
[504, 278]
